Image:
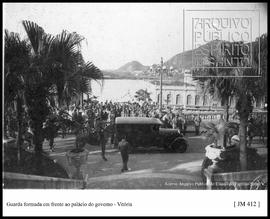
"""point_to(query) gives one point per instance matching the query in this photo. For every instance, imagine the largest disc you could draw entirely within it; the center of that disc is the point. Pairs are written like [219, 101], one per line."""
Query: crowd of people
[93, 113]
[107, 111]
[87, 118]
[94, 116]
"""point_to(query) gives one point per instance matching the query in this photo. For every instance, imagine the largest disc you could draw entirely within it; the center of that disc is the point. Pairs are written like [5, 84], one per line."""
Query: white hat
[235, 138]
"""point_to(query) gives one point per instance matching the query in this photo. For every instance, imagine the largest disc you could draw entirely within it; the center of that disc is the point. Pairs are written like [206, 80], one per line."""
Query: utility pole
[161, 73]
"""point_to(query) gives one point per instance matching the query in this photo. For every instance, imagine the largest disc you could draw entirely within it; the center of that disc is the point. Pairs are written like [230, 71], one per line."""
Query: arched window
[189, 100]
[178, 99]
[169, 99]
[197, 100]
[205, 101]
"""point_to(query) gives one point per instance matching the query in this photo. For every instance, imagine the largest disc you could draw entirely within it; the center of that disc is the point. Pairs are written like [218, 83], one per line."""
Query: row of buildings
[188, 95]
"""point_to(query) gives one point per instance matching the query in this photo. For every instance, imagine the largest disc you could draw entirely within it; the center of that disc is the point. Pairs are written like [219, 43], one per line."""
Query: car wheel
[179, 146]
[205, 164]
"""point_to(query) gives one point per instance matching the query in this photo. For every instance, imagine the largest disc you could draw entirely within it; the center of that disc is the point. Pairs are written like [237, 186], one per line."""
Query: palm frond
[90, 71]
[35, 35]
[16, 63]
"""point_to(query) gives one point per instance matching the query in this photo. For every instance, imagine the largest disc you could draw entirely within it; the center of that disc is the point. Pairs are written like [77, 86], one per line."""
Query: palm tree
[57, 68]
[218, 84]
[40, 67]
[244, 89]
[143, 95]
[73, 73]
[250, 88]
[16, 61]
[38, 79]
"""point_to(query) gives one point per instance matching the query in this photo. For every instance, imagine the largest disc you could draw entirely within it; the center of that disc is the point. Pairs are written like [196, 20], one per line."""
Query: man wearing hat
[235, 141]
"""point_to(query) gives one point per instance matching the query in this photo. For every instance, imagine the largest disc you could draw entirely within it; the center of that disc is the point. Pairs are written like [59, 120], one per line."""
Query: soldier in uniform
[51, 129]
[101, 136]
[197, 123]
[124, 147]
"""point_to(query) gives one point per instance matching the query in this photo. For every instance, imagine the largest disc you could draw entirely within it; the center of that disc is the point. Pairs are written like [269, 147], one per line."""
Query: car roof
[137, 120]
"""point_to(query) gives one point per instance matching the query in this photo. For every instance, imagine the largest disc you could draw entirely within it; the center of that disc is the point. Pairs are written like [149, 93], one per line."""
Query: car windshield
[136, 128]
[137, 120]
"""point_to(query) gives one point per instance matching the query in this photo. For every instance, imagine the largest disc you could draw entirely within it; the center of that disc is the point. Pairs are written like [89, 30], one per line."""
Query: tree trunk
[38, 136]
[227, 107]
[38, 141]
[19, 140]
[226, 115]
[243, 143]
[38, 111]
[37, 125]
[244, 107]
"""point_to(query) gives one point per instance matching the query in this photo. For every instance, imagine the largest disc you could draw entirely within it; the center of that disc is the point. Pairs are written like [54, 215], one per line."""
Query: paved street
[150, 168]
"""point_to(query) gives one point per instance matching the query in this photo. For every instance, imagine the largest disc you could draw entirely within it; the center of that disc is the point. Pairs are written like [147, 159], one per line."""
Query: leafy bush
[28, 164]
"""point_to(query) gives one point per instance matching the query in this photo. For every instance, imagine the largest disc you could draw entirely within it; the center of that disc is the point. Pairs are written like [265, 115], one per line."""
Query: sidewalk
[149, 170]
[62, 145]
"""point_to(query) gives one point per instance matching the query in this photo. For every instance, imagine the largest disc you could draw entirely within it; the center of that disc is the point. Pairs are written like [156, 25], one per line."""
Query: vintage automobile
[147, 132]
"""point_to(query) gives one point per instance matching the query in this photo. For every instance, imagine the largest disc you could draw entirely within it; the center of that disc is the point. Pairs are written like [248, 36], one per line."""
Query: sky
[117, 33]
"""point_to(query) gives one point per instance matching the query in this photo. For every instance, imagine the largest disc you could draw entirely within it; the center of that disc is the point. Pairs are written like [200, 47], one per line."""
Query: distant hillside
[133, 66]
[118, 75]
[184, 59]
[131, 70]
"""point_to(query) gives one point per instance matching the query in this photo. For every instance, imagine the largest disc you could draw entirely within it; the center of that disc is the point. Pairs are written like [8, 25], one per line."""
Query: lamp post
[162, 68]
[160, 84]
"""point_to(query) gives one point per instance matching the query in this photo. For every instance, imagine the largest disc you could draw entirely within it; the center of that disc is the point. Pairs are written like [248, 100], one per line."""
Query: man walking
[182, 124]
[197, 122]
[124, 148]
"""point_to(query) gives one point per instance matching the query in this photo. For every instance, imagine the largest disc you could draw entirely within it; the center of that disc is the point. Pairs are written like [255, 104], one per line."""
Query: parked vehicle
[147, 132]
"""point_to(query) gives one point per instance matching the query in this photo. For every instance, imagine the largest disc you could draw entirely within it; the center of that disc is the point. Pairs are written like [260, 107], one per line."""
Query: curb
[106, 151]
[90, 152]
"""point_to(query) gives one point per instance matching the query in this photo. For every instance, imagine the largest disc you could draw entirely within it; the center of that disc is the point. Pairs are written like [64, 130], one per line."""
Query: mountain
[131, 70]
[113, 74]
[184, 60]
[133, 66]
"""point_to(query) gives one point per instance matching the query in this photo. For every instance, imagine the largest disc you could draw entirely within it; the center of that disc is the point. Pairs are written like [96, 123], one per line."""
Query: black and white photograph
[155, 100]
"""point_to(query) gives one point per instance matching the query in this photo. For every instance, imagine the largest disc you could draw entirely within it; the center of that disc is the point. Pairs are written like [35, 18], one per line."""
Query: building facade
[187, 95]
